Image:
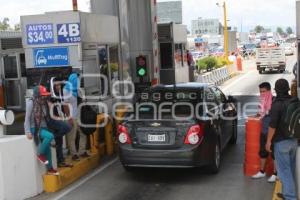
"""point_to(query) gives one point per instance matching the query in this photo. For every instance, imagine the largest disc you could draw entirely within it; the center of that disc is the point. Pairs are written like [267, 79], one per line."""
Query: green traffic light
[142, 72]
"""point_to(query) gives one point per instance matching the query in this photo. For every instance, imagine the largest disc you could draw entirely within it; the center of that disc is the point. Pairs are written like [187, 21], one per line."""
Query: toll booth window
[104, 71]
[23, 64]
[114, 63]
[179, 54]
[10, 67]
[166, 52]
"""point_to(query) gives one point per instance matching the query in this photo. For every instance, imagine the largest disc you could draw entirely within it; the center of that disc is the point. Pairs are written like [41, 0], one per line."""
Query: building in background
[206, 27]
[170, 11]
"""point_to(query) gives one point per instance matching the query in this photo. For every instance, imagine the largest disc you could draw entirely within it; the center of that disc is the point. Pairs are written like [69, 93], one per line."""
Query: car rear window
[170, 105]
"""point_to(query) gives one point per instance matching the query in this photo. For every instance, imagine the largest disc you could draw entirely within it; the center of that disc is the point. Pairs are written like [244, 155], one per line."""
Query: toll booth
[12, 71]
[173, 58]
[57, 43]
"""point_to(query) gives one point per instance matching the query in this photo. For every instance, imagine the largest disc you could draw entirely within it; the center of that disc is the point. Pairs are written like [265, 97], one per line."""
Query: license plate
[157, 138]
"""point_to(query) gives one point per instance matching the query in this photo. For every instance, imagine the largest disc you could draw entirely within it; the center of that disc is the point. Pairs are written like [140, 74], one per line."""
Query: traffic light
[141, 66]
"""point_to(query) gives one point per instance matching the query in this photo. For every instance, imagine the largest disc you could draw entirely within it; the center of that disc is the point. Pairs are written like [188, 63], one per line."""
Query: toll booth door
[12, 82]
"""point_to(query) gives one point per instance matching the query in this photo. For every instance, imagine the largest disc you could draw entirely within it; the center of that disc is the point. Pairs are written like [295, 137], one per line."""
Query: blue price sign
[39, 34]
[51, 57]
[68, 33]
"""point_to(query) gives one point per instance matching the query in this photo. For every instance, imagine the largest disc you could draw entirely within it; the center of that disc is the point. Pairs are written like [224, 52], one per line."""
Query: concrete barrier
[217, 76]
[20, 173]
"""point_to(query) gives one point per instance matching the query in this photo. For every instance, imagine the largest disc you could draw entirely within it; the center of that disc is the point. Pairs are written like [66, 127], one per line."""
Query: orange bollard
[252, 146]
[239, 63]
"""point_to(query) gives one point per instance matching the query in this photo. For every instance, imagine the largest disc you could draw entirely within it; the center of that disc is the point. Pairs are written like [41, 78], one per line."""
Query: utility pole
[75, 5]
[225, 32]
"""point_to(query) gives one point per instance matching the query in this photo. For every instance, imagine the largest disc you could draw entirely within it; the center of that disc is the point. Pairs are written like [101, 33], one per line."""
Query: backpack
[290, 123]
[88, 117]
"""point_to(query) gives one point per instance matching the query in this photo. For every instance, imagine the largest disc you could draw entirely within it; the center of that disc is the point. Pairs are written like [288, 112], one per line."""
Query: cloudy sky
[241, 13]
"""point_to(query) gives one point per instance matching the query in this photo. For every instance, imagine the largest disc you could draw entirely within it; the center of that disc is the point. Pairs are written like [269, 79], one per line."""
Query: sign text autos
[39, 34]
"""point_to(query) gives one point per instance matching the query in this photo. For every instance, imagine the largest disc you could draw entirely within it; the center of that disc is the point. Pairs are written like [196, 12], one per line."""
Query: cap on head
[282, 85]
[40, 90]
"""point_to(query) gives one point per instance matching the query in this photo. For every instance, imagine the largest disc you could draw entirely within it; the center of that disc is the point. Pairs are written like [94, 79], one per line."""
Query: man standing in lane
[284, 147]
[266, 99]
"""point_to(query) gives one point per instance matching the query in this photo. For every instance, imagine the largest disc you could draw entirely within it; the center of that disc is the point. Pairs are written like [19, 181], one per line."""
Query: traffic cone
[252, 146]
[239, 63]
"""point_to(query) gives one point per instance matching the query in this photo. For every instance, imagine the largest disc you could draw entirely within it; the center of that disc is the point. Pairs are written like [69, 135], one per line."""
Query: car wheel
[234, 136]
[281, 71]
[260, 71]
[215, 166]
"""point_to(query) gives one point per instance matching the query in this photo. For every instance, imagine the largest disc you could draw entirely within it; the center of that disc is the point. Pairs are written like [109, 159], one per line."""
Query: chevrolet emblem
[155, 124]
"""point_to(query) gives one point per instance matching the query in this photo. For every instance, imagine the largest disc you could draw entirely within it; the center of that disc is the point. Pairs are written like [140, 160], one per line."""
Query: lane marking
[236, 81]
[84, 180]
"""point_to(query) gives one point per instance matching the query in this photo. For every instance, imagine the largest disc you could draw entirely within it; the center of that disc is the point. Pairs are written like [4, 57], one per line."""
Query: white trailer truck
[270, 59]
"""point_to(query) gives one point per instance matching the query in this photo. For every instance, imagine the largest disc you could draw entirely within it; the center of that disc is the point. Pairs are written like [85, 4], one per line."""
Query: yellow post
[225, 32]
[294, 88]
[109, 138]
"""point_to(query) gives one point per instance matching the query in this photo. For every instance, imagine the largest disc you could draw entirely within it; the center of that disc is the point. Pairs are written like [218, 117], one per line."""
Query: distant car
[155, 138]
[249, 49]
[197, 55]
[288, 48]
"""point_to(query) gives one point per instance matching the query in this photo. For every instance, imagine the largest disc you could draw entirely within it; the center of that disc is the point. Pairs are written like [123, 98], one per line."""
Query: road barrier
[217, 76]
[252, 148]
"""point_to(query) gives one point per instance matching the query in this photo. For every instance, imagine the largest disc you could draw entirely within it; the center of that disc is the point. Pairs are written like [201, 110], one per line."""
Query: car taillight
[194, 135]
[123, 135]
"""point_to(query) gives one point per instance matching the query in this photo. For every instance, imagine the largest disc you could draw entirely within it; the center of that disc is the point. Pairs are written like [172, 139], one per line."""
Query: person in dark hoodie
[70, 92]
[285, 148]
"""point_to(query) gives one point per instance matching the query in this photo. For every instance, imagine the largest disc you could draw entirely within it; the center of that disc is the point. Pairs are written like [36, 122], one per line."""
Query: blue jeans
[45, 146]
[285, 155]
[60, 129]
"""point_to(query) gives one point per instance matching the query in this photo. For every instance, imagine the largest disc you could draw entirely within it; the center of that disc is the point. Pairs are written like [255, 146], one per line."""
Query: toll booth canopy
[57, 43]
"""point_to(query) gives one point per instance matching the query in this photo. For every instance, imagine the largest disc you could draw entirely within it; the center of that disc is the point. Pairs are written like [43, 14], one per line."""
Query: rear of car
[151, 139]
[270, 59]
[288, 49]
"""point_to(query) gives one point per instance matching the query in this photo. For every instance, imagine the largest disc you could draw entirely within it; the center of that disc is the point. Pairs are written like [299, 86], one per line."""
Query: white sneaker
[259, 175]
[272, 179]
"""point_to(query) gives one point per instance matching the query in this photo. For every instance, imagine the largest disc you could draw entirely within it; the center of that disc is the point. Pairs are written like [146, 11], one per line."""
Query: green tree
[259, 29]
[280, 31]
[289, 30]
[4, 25]
[17, 27]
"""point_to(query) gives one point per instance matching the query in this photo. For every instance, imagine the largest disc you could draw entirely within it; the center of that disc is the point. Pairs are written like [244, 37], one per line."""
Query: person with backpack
[266, 98]
[70, 92]
[56, 123]
[35, 126]
[283, 132]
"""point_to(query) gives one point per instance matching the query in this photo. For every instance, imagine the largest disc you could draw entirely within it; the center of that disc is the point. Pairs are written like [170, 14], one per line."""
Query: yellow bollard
[109, 138]
[294, 88]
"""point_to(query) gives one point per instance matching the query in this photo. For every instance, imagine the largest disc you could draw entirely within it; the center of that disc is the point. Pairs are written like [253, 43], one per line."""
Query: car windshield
[250, 46]
[286, 45]
[168, 104]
